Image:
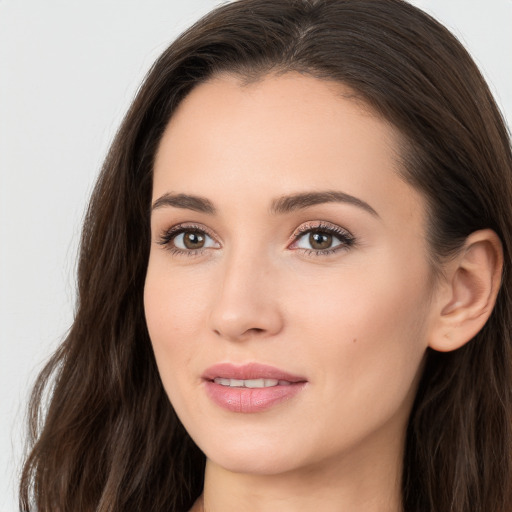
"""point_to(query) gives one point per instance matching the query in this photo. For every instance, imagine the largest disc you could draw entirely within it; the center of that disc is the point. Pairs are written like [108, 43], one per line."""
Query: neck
[362, 482]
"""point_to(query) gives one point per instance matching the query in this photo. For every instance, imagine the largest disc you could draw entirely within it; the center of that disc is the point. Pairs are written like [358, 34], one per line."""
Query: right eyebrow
[185, 201]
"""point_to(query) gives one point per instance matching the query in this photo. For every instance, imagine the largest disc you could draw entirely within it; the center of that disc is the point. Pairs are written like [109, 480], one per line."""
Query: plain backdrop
[68, 71]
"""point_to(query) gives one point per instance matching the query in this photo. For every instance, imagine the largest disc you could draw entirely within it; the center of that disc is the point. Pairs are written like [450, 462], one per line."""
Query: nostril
[252, 330]
[243, 321]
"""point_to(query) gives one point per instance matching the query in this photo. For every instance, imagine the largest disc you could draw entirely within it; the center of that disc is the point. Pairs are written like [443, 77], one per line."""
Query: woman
[301, 240]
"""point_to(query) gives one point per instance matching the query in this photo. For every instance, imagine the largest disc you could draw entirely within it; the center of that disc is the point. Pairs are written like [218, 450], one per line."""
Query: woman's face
[286, 253]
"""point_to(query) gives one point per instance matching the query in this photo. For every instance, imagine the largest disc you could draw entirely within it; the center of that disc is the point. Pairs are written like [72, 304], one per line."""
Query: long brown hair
[103, 434]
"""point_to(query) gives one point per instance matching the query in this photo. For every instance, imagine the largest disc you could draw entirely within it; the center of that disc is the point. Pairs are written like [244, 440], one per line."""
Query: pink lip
[250, 400]
[249, 371]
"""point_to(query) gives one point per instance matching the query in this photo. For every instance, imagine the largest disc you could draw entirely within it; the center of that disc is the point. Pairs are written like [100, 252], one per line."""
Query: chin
[251, 454]
[253, 463]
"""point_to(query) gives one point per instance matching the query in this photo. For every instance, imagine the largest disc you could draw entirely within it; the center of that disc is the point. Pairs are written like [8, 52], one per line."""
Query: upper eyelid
[184, 226]
[165, 237]
[299, 231]
[319, 225]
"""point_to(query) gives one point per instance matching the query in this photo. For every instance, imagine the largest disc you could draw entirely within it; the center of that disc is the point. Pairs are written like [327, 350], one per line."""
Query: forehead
[280, 135]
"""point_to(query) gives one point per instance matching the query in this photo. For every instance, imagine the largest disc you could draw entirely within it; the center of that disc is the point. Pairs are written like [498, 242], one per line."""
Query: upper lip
[249, 371]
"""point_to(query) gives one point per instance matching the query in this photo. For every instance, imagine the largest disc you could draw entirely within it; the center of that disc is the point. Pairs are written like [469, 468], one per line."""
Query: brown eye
[322, 240]
[319, 240]
[193, 239]
[189, 240]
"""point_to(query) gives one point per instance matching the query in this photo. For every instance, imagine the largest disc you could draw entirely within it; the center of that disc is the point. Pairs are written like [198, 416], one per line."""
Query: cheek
[365, 329]
[174, 318]
[171, 299]
[364, 343]
[355, 301]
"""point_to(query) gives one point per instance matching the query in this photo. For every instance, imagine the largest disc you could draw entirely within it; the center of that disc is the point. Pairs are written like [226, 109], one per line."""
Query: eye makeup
[168, 239]
[321, 233]
[324, 238]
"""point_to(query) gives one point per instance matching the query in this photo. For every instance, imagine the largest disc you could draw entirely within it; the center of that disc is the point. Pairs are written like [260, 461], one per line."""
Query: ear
[465, 299]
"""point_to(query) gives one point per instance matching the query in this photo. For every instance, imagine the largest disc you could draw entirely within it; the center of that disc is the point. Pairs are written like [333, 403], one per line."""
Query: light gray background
[68, 71]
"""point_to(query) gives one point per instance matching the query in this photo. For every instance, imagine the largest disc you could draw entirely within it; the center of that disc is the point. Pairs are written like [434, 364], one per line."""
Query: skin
[355, 323]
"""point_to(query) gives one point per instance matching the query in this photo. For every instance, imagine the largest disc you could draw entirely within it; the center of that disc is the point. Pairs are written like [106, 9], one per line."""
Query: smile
[251, 383]
[250, 388]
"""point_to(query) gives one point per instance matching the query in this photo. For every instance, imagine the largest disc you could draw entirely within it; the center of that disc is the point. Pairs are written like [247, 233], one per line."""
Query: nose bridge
[247, 301]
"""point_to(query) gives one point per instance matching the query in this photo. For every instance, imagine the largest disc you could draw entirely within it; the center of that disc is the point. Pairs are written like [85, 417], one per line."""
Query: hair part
[110, 440]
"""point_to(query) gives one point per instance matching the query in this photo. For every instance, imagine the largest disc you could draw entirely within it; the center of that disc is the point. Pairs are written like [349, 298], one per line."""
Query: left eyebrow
[286, 204]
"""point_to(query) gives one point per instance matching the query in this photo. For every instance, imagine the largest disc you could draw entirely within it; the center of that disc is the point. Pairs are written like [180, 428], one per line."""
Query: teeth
[250, 383]
[261, 383]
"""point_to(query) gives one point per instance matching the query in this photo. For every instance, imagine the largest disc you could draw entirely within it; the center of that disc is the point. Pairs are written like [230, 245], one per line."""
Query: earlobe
[469, 293]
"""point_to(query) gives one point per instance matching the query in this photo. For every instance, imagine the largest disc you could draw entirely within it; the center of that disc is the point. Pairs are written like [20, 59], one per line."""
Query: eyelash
[347, 239]
[169, 235]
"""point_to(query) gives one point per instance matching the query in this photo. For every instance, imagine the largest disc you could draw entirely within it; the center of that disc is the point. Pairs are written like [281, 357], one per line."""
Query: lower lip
[249, 400]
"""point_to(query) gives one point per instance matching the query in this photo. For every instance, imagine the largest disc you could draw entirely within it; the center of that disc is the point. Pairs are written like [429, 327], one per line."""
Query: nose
[247, 304]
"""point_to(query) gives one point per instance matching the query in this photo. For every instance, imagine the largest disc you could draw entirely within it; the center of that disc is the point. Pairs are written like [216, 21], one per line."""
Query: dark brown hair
[108, 438]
